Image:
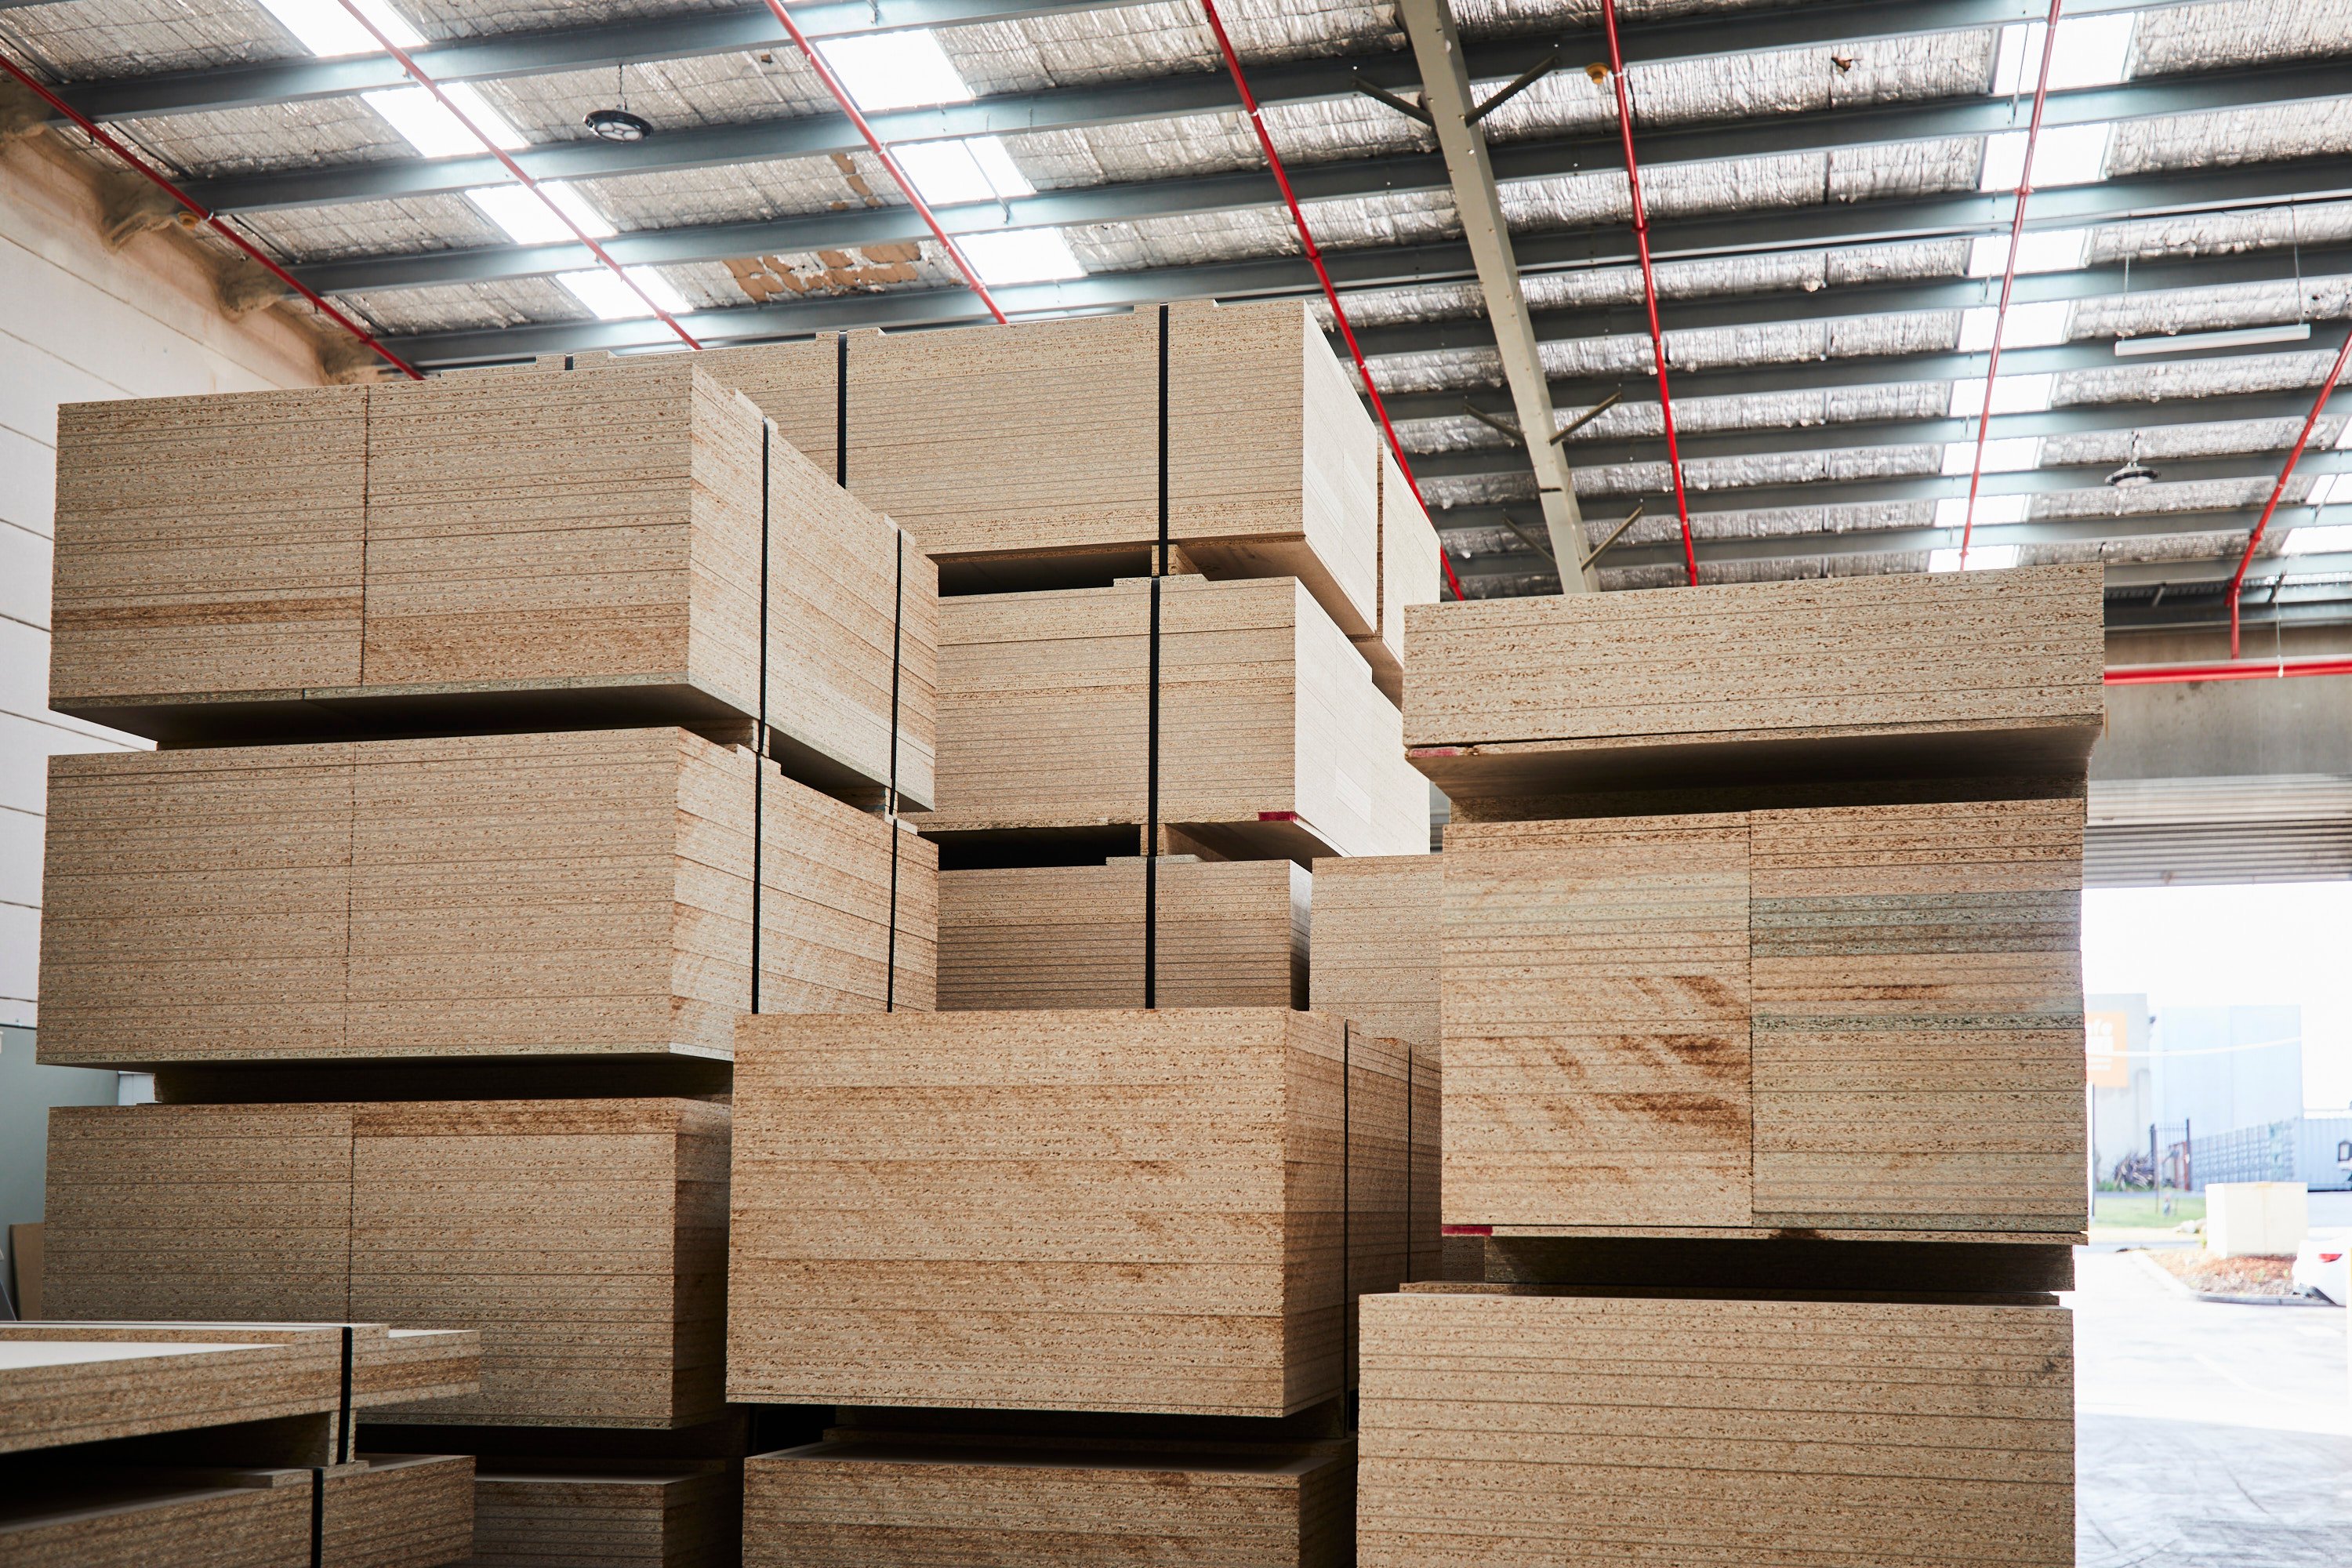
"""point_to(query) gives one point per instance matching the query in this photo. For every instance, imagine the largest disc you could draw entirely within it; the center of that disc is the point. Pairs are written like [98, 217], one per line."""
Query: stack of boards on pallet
[524, 729]
[1075, 1258]
[1759, 985]
[226, 1445]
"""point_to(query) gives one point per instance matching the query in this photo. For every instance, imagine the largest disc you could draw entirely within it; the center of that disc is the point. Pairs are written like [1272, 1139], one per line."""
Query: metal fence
[2265, 1153]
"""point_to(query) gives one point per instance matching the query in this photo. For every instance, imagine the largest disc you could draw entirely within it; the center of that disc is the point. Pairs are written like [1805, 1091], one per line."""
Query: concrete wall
[78, 322]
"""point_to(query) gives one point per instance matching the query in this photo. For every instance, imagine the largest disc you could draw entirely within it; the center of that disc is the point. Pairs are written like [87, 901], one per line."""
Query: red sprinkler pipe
[1649, 279]
[416, 75]
[2008, 273]
[881, 150]
[1315, 255]
[2238, 579]
[112, 144]
[2165, 674]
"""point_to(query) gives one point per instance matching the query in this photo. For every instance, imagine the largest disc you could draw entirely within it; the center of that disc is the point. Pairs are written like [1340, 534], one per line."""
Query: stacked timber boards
[1271, 732]
[1227, 933]
[1001, 449]
[492, 552]
[574, 1513]
[1106, 1211]
[579, 894]
[1007, 1504]
[583, 1239]
[1925, 675]
[1409, 570]
[1378, 921]
[1524, 1428]
[1864, 1019]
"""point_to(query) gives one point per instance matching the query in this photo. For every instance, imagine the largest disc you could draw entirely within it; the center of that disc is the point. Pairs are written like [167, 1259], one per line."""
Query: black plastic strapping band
[1151, 737]
[317, 1518]
[1346, 1205]
[1412, 1092]
[841, 411]
[344, 1445]
[890, 800]
[760, 730]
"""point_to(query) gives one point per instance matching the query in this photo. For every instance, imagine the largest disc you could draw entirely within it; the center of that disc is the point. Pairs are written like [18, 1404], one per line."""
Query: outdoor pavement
[2209, 1435]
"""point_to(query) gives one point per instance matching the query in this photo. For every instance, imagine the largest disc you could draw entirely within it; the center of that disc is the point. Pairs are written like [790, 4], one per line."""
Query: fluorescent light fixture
[2092, 51]
[2038, 250]
[324, 27]
[2330, 489]
[2011, 395]
[1991, 511]
[613, 300]
[2009, 454]
[527, 221]
[2328, 541]
[978, 169]
[2236, 337]
[895, 70]
[2344, 438]
[2037, 325]
[436, 132]
[1021, 256]
[2066, 155]
[1981, 558]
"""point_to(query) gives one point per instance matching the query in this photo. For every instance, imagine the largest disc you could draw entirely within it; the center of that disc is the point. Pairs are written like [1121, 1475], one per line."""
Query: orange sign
[2107, 1048]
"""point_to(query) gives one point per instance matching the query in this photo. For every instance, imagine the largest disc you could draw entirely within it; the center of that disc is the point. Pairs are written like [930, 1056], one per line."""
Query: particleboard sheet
[1409, 570]
[72, 1382]
[1269, 723]
[484, 552]
[1108, 1210]
[583, 1239]
[1378, 923]
[1964, 673]
[1847, 1019]
[1228, 933]
[1555, 1430]
[575, 894]
[1004, 446]
[882, 1505]
[575, 1513]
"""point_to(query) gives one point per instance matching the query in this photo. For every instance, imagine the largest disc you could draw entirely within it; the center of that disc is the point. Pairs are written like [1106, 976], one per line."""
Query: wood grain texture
[1850, 1019]
[1108, 1210]
[571, 894]
[1549, 1430]
[583, 1239]
[1265, 709]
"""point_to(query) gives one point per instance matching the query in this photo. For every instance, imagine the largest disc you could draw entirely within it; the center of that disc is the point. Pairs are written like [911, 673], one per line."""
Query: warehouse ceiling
[1830, 184]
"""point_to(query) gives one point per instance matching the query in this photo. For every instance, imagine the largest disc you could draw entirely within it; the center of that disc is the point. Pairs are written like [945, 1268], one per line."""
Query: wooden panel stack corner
[528, 727]
[1758, 986]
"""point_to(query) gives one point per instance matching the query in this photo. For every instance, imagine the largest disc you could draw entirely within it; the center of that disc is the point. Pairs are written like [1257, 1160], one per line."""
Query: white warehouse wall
[79, 322]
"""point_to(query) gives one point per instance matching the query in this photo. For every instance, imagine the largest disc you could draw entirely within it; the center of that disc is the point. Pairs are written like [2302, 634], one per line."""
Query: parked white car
[2322, 1268]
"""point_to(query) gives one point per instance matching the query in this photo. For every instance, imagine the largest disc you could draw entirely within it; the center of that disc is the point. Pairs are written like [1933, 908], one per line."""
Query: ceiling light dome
[619, 125]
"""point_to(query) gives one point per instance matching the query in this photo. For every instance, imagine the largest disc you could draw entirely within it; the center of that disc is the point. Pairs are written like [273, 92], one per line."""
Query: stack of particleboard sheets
[1272, 735]
[70, 1382]
[1862, 1019]
[1964, 673]
[1409, 570]
[1226, 933]
[880, 1504]
[1549, 1429]
[382, 1511]
[1108, 1210]
[584, 1239]
[578, 894]
[648, 1514]
[488, 551]
[1003, 449]
[1378, 921]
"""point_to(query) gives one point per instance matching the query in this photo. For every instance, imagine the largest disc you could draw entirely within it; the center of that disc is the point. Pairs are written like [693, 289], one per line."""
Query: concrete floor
[2209, 1435]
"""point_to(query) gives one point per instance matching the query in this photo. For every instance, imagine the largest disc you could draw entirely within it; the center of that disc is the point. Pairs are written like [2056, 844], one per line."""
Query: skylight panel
[2011, 394]
[527, 221]
[2333, 539]
[324, 27]
[1981, 558]
[1021, 256]
[2038, 250]
[1991, 510]
[895, 70]
[2037, 325]
[977, 169]
[613, 300]
[2007, 455]
[2092, 51]
[2065, 155]
[436, 132]
[2331, 489]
